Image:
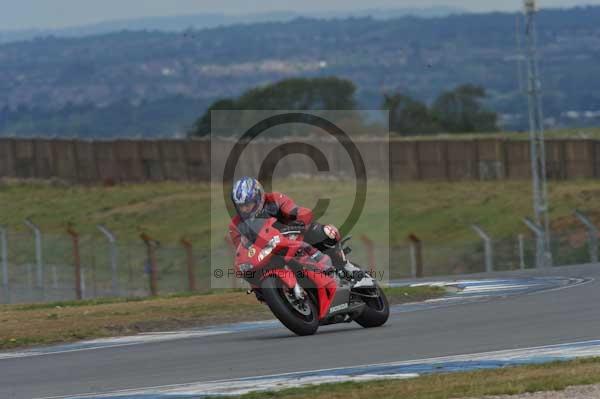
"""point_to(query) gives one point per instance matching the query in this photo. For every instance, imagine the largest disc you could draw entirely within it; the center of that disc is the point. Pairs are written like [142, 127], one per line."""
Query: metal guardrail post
[487, 242]
[190, 264]
[416, 255]
[151, 246]
[38, 254]
[522, 251]
[54, 277]
[592, 235]
[542, 257]
[114, 264]
[4, 260]
[83, 295]
[77, 263]
[30, 280]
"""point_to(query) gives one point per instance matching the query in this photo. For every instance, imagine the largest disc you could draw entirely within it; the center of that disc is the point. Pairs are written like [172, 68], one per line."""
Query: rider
[251, 201]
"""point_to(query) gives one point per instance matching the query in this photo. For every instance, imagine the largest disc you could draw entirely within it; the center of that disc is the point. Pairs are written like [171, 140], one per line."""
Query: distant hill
[213, 20]
[142, 71]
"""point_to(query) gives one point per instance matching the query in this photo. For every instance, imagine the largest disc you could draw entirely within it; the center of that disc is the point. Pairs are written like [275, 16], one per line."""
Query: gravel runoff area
[576, 392]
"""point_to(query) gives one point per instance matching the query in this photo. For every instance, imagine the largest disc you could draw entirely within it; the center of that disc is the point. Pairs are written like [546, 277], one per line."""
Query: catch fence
[86, 267]
[61, 267]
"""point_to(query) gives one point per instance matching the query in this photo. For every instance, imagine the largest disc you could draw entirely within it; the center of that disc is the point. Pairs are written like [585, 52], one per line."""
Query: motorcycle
[301, 297]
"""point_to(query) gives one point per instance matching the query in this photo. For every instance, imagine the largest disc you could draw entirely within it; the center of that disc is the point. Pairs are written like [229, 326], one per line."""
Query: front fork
[299, 292]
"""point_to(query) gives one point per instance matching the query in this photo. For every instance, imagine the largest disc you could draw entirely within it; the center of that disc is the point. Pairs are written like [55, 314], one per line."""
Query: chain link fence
[569, 247]
[63, 267]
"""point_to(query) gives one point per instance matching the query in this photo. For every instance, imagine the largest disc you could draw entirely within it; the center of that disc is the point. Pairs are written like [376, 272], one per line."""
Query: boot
[338, 258]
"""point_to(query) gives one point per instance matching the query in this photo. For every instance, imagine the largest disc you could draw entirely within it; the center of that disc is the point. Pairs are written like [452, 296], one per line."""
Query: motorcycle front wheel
[299, 316]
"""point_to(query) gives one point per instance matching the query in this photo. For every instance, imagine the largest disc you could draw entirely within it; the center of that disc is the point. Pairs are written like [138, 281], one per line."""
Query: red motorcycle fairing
[326, 288]
[250, 262]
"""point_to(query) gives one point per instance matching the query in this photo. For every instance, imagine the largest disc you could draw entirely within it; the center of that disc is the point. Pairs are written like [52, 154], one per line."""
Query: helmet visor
[247, 208]
[251, 208]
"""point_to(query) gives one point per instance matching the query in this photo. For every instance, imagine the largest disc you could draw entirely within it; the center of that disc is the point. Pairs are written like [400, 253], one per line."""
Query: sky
[43, 14]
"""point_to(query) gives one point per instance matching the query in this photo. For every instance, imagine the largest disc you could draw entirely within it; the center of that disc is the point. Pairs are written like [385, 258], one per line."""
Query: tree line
[460, 110]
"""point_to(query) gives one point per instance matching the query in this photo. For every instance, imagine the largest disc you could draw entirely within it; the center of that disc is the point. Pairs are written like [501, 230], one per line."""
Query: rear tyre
[377, 311]
[300, 317]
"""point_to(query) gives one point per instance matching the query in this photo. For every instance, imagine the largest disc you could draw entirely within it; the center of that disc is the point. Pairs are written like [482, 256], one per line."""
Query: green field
[438, 212]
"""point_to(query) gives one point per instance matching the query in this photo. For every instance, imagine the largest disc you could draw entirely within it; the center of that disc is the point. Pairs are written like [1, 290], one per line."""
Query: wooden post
[417, 251]
[190, 264]
[76, 261]
[153, 275]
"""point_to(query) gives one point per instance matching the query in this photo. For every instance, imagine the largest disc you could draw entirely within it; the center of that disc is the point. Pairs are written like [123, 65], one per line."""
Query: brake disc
[299, 305]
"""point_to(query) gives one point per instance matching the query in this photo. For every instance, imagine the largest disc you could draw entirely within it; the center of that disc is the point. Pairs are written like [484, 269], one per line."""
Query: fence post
[83, 283]
[487, 241]
[416, 252]
[592, 235]
[30, 280]
[76, 262]
[38, 254]
[190, 264]
[522, 251]
[153, 272]
[114, 265]
[542, 259]
[4, 260]
[54, 277]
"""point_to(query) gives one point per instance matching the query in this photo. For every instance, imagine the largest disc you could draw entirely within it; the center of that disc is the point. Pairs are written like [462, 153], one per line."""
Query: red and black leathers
[285, 210]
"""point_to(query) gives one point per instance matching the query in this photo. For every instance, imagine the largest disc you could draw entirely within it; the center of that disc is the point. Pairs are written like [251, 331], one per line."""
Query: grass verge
[62, 322]
[507, 381]
[436, 211]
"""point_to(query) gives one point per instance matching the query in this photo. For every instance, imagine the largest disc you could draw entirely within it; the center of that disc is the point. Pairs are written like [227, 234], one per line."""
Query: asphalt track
[547, 315]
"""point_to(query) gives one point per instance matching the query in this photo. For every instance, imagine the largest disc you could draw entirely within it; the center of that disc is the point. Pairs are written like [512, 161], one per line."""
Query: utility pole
[536, 138]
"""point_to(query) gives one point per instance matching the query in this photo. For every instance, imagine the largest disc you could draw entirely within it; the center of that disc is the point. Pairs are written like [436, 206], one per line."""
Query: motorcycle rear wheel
[377, 311]
[301, 321]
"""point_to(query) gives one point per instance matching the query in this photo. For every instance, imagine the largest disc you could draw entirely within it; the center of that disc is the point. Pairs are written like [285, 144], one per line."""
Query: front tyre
[300, 317]
[377, 311]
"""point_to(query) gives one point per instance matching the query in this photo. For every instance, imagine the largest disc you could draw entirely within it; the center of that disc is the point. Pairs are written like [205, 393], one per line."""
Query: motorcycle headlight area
[266, 251]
